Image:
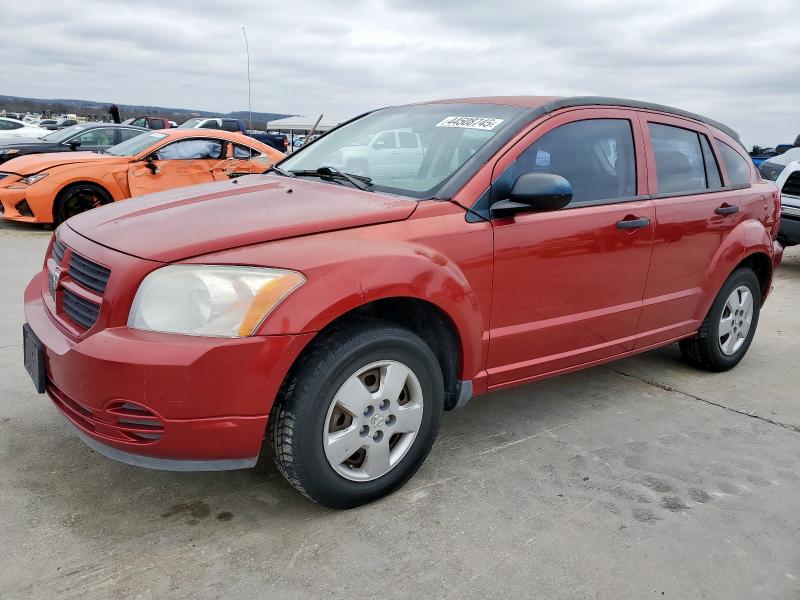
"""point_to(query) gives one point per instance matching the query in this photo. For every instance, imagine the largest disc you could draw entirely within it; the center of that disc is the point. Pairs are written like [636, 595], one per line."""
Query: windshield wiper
[279, 171]
[326, 172]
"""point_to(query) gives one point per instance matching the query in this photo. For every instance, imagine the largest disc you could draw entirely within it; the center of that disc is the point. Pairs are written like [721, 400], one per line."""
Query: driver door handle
[633, 223]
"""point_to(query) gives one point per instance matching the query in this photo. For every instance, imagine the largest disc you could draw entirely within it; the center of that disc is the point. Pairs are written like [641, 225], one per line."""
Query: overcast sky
[732, 60]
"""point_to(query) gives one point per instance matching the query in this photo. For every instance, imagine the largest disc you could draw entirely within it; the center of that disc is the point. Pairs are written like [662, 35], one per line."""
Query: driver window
[385, 141]
[191, 150]
[596, 156]
[140, 122]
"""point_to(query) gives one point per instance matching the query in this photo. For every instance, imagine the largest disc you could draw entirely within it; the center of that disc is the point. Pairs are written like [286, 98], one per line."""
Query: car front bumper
[163, 401]
[10, 198]
[790, 224]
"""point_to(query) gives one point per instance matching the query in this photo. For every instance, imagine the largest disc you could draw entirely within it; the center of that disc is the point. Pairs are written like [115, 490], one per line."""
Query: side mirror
[151, 164]
[74, 145]
[535, 191]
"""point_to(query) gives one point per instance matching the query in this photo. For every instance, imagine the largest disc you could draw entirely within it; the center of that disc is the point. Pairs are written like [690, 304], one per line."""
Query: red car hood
[200, 219]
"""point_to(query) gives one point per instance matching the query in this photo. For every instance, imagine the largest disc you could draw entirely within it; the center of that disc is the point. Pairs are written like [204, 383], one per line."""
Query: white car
[11, 128]
[784, 170]
[394, 154]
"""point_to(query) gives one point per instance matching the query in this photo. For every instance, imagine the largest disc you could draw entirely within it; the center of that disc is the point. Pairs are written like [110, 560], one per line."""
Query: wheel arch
[63, 189]
[749, 244]
[420, 316]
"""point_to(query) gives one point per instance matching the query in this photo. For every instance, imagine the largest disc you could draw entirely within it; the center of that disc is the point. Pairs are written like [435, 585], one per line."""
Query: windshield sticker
[484, 123]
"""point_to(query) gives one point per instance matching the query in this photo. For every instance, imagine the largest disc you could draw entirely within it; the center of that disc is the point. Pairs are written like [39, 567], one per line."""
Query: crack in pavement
[669, 388]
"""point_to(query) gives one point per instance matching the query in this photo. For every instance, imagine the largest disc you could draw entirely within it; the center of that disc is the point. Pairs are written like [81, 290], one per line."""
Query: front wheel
[729, 327]
[359, 414]
[77, 199]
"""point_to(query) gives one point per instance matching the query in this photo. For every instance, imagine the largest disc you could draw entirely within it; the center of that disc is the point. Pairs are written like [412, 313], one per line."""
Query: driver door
[569, 283]
[184, 162]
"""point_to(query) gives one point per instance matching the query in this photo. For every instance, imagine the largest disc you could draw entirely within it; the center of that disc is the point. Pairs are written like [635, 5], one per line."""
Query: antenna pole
[249, 101]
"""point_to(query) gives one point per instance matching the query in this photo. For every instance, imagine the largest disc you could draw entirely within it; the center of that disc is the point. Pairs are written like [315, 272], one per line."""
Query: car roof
[176, 133]
[94, 124]
[541, 105]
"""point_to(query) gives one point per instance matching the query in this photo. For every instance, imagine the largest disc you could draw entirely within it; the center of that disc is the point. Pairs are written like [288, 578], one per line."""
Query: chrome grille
[80, 310]
[58, 251]
[89, 274]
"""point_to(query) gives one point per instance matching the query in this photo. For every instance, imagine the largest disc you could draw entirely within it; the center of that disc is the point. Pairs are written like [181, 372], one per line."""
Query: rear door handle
[727, 209]
[633, 223]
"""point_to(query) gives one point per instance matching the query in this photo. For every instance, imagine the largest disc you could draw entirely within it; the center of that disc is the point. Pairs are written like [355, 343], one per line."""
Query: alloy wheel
[737, 316]
[373, 420]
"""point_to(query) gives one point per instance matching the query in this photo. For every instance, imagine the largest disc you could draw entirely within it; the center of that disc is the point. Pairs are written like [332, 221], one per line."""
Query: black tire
[78, 198]
[298, 419]
[703, 350]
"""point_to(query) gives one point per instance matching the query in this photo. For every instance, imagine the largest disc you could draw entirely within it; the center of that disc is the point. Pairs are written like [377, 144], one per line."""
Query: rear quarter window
[735, 164]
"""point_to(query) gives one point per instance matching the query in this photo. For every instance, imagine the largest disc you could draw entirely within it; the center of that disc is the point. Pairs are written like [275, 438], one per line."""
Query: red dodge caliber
[406, 261]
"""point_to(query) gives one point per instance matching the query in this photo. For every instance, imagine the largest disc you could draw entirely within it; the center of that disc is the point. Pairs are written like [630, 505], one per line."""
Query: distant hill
[98, 110]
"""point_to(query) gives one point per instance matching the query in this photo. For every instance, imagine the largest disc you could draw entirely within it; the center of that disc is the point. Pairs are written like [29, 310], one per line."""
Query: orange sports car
[47, 188]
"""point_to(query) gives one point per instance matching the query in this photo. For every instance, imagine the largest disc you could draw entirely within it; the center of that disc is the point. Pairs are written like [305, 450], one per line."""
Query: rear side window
[712, 168]
[229, 125]
[596, 156]
[126, 134]
[736, 166]
[680, 166]
[241, 152]
[211, 124]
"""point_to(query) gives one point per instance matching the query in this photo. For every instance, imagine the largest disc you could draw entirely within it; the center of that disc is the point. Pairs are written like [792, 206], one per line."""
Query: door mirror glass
[535, 191]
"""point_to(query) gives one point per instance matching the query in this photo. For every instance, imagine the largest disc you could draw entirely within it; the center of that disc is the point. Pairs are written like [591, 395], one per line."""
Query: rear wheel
[359, 415]
[77, 199]
[728, 329]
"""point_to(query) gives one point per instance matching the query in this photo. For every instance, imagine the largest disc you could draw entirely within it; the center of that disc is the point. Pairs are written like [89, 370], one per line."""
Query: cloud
[731, 61]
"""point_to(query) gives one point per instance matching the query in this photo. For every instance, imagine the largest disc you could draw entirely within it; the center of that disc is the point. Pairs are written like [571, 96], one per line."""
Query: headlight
[31, 179]
[210, 300]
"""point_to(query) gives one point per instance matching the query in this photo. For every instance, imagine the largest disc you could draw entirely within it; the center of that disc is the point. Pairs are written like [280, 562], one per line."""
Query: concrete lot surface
[640, 479]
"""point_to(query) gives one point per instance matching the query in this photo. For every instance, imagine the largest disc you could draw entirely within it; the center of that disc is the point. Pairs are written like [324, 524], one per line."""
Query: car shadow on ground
[94, 492]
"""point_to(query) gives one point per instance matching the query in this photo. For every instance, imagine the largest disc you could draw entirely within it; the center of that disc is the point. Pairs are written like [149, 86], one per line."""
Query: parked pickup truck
[275, 140]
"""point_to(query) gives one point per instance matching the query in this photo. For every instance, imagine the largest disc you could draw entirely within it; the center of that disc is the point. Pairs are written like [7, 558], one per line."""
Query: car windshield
[407, 150]
[190, 124]
[63, 134]
[135, 145]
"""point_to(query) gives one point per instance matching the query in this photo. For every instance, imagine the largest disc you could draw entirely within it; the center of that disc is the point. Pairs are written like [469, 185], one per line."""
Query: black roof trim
[625, 103]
